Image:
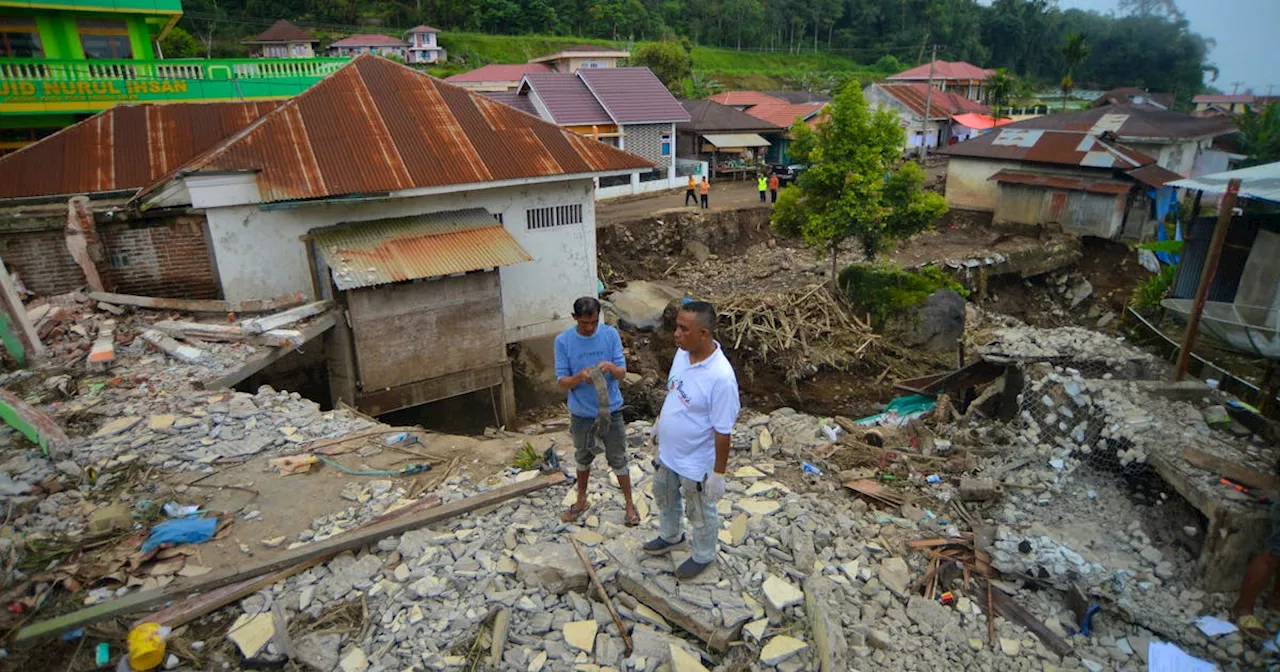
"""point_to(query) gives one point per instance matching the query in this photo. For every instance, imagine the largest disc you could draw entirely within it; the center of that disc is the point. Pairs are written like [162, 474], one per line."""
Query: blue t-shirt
[575, 352]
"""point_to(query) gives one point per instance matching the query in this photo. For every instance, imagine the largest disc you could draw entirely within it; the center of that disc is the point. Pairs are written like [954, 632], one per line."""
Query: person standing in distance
[578, 350]
[689, 194]
[704, 188]
[693, 434]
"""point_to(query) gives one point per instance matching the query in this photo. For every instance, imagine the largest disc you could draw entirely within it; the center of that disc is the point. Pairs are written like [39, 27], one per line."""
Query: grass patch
[885, 289]
[1155, 289]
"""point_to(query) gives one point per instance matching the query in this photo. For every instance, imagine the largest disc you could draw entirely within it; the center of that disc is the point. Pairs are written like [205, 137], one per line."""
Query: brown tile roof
[567, 99]
[505, 72]
[282, 31]
[708, 116]
[375, 126]
[1065, 148]
[1127, 94]
[942, 104]
[125, 147]
[633, 95]
[785, 114]
[949, 70]
[513, 99]
[741, 98]
[1130, 123]
[371, 40]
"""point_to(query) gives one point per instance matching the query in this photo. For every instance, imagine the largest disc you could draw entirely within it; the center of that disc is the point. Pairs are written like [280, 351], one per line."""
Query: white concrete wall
[259, 253]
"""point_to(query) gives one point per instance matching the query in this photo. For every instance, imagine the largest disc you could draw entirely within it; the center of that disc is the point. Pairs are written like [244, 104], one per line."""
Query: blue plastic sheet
[1166, 199]
[181, 531]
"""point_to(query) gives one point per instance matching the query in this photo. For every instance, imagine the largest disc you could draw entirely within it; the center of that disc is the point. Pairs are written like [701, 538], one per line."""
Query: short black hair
[585, 306]
[703, 312]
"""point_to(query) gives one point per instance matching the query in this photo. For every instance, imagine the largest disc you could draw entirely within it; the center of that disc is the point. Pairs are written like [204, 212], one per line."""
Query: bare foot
[573, 512]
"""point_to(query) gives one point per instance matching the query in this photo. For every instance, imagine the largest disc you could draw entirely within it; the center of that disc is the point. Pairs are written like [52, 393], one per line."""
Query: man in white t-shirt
[693, 433]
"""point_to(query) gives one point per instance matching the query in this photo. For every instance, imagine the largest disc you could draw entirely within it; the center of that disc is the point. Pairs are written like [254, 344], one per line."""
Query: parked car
[787, 173]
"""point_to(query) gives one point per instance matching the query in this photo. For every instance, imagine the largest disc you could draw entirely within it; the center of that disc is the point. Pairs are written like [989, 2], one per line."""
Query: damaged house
[445, 225]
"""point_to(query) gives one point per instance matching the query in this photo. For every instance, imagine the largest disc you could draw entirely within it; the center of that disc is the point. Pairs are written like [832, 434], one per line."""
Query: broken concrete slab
[554, 566]
[581, 635]
[684, 661]
[895, 576]
[781, 594]
[822, 605]
[701, 622]
[252, 632]
[781, 648]
[642, 304]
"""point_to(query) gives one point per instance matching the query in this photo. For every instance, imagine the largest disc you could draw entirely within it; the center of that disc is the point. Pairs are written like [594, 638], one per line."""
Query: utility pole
[1235, 87]
[928, 106]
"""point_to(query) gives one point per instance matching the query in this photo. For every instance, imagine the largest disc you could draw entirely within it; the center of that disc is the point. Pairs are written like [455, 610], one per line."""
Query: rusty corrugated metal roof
[1153, 175]
[1068, 148]
[1061, 182]
[375, 126]
[383, 251]
[125, 147]
[942, 104]
[1131, 123]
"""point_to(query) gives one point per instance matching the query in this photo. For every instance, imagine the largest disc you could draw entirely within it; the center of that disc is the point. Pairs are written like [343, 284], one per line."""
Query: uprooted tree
[856, 185]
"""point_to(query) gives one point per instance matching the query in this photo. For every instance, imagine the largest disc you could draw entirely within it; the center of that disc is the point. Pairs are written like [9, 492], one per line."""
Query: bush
[885, 289]
[889, 64]
[1150, 293]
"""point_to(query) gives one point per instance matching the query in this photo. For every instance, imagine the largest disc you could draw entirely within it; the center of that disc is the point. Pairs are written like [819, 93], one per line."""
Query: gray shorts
[585, 448]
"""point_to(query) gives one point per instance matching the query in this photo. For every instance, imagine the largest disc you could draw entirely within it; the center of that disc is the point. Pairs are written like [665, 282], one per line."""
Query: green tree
[178, 43]
[1260, 135]
[1074, 51]
[856, 185]
[1000, 88]
[667, 59]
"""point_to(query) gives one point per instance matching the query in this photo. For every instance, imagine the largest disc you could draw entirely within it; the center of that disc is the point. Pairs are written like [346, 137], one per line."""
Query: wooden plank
[201, 305]
[103, 351]
[344, 542]
[284, 318]
[716, 638]
[427, 391]
[602, 593]
[872, 489]
[24, 331]
[232, 333]
[1222, 467]
[317, 327]
[1010, 609]
[184, 353]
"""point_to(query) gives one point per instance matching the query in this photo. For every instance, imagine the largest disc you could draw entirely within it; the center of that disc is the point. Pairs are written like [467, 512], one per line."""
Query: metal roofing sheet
[785, 114]
[1061, 182]
[1260, 182]
[633, 95]
[1153, 175]
[1068, 148]
[1139, 122]
[958, 70]
[747, 98]
[514, 99]
[941, 105]
[499, 73]
[375, 126]
[708, 116]
[724, 140]
[383, 251]
[125, 147]
[567, 99]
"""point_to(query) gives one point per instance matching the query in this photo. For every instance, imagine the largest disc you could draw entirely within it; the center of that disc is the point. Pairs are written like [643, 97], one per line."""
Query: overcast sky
[1245, 30]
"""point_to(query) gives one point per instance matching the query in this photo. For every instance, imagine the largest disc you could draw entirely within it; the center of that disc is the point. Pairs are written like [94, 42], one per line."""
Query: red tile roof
[506, 72]
[949, 70]
[422, 29]
[567, 99]
[1213, 98]
[370, 41]
[125, 147]
[633, 95]
[375, 126]
[740, 98]
[1062, 182]
[1066, 148]
[785, 114]
[942, 104]
[282, 31]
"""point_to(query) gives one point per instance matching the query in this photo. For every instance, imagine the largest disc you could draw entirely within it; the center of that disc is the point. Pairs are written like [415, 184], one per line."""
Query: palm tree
[1075, 51]
[999, 89]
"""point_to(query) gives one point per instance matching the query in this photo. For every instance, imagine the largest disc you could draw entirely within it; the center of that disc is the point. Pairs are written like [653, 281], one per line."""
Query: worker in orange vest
[705, 190]
[773, 188]
[688, 192]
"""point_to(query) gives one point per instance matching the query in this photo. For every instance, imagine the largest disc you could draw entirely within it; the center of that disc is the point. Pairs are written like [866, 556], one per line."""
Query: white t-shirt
[702, 401]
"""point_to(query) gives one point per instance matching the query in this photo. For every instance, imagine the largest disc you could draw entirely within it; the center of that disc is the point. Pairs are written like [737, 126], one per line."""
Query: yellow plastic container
[146, 646]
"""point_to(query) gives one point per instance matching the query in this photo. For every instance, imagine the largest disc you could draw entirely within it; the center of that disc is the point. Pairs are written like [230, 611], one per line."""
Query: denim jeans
[677, 495]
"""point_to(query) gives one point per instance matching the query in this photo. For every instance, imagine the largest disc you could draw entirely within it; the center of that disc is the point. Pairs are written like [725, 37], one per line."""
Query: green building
[61, 61]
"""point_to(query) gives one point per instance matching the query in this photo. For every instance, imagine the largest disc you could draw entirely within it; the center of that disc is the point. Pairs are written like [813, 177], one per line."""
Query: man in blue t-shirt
[591, 345]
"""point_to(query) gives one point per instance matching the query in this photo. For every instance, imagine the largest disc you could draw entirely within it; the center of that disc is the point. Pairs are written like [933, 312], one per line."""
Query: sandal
[1251, 627]
[632, 518]
[574, 512]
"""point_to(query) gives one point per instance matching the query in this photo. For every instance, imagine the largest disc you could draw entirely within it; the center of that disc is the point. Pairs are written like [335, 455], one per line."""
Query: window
[558, 215]
[104, 39]
[666, 144]
[19, 38]
[499, 218]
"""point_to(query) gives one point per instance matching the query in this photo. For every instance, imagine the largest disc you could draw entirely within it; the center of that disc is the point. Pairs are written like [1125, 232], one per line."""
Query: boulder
[640, 306]
[936, 324]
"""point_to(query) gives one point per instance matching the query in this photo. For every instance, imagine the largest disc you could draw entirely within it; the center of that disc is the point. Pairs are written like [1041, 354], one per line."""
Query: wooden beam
[602, 593]
[427, 391]
[233, 333]
[324, 549]
[23, 330]
[317, 327]
[1007, 607]
[1222, 467]
[284, 318]
[201, 305]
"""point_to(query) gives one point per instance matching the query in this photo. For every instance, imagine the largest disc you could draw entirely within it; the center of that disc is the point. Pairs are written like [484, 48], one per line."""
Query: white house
[445, 224]
[423, 47]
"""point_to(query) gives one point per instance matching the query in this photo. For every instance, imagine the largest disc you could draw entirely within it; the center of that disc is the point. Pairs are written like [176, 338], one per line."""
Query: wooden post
[19, 336]
[1206, 277]
[507, 397]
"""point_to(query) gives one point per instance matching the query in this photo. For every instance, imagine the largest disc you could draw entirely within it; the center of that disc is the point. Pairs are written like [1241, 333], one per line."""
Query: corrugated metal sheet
[375, 126]
[514, 99]
[1061, 182]
[785, 114]
[708, 116]
[1261, 182]
[633, 95]
[942, 105]
[1153, 175]
[499, 73]
[1140, 122]
[723, 140]
[1069, 148]
[380, 252]
[568, 99]
[125, 147]
[746, 98]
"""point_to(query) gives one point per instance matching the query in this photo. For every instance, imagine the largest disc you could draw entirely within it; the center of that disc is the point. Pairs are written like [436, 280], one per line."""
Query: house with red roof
[965, 79]
[378, 45]
[913, 100]
[497, 77]
[423, 47]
